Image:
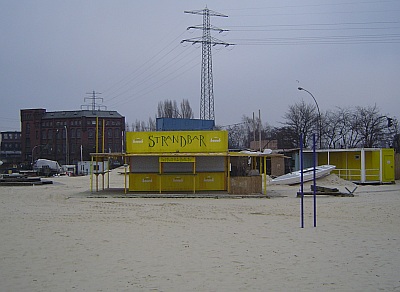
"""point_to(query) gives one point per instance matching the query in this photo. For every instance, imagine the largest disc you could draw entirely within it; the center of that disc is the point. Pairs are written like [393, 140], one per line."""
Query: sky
[54, 54]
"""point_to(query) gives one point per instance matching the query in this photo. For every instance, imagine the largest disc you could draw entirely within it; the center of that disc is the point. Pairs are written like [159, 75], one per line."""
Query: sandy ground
[55, 238]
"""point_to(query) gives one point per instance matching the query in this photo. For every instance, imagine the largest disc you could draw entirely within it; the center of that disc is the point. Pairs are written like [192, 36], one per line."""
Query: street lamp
[33, 150]
[66, 145]
[319, 115]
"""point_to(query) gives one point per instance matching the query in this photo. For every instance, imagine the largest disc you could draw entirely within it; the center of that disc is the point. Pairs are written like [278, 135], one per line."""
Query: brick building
[10, 149]
[69, 136]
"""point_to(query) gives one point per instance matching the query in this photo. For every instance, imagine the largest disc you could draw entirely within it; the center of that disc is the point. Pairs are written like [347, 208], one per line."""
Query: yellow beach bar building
[168, 161]
[186, 161]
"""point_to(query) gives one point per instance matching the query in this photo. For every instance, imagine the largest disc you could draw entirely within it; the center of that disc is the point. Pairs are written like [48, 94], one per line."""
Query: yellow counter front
[180, 182]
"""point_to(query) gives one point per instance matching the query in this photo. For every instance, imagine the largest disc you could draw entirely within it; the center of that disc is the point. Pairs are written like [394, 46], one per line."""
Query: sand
[56, 238]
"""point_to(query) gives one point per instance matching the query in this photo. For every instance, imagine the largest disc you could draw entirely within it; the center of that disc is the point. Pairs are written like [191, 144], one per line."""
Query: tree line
[361, 126]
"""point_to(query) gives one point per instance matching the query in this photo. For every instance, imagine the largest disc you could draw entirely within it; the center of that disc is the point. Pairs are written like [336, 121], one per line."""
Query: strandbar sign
[176, 141]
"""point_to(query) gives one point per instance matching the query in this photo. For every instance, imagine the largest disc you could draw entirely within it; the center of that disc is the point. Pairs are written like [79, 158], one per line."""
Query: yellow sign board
[176, 159]
[176, 141]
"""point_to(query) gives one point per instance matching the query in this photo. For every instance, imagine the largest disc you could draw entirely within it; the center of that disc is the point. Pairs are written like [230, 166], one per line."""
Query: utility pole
[207, 90]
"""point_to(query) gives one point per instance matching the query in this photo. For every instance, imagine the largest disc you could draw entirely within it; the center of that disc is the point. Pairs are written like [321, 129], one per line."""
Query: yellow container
[366, 165]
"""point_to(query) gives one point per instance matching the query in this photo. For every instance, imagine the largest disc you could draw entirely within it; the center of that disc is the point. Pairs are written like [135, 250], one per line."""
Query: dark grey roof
[81, 113]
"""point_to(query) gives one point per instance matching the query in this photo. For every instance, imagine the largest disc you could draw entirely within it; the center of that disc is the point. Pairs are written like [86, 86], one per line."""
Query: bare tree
[167, 109]
[370, 125]
[286, 137]
[359, 127]
[152, 125]
[302, 118]
[340, 130]
[236, 134]
[186, 110]
[241, 134]
[138, 126]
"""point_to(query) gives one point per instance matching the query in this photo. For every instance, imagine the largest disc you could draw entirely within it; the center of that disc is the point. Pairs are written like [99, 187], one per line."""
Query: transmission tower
[207, 91]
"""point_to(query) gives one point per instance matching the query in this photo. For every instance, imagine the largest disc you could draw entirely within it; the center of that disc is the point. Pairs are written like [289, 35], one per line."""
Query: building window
[78, 133]
[73, 133]
[116, 133]
[109, 133]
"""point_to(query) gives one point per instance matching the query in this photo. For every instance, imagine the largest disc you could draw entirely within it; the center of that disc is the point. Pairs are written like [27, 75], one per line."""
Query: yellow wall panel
[177, 182]
[177, 141]
[211, 181]
[142, 182]
[150, 182]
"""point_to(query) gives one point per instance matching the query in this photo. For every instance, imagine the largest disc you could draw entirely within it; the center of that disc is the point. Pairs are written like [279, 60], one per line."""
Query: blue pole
[301, 182]
[314, 182]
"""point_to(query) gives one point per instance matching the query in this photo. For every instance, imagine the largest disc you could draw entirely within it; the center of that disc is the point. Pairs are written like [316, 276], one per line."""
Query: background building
[69, 136]
[10, 149]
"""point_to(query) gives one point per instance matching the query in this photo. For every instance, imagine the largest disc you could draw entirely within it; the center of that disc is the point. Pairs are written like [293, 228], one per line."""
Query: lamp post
[319, 116]
[66, 145]
[33, 150]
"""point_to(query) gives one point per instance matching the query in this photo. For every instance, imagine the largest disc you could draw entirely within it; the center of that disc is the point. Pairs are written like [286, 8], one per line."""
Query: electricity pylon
[93, 99]
[207, 90]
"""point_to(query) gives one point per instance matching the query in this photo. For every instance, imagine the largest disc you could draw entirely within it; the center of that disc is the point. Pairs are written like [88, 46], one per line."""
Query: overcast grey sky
[52, 53]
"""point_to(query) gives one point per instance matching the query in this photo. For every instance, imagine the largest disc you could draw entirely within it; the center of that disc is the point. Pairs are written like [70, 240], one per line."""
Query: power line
[319, 24]
[338, 39]
[145, 78]
[155, 85]
[137, 73]
[312, 5]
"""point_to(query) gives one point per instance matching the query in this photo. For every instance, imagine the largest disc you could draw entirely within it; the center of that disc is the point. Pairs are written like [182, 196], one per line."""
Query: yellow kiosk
[177, 161]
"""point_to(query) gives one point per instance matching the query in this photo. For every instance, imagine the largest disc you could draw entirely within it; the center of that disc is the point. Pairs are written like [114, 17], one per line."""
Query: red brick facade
[69, 136]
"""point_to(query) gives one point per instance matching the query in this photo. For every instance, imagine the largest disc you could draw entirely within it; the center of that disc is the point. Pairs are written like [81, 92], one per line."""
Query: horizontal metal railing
[371, 174]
